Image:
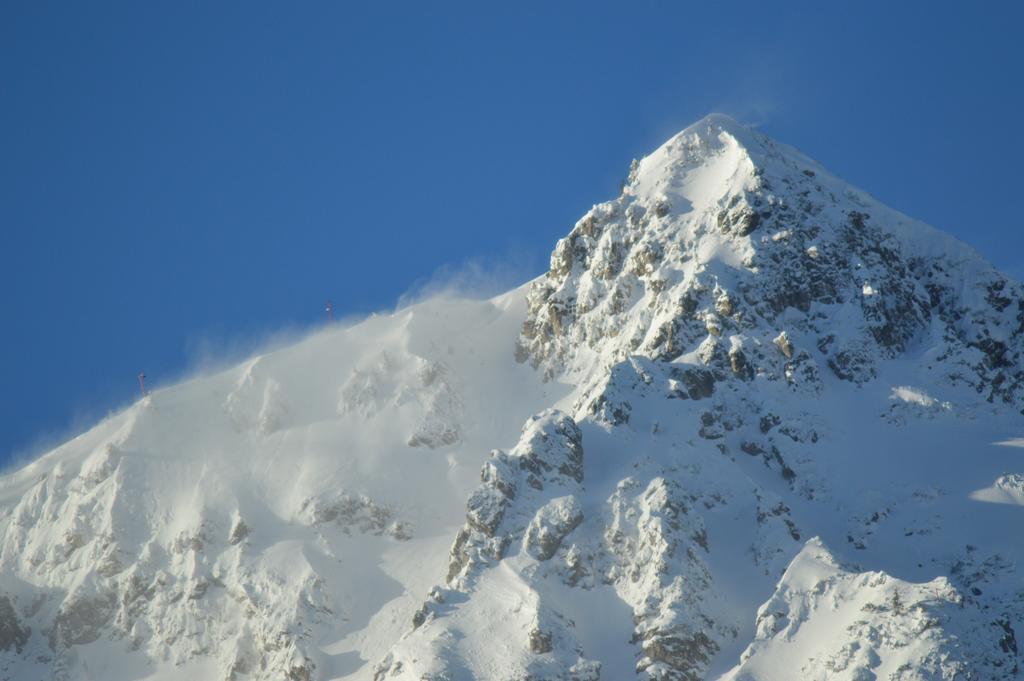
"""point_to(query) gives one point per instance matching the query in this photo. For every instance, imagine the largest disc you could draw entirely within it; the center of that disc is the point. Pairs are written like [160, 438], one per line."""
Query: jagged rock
[81, 619]
[713, 325]
[540, 642]
[917, 629]
[784, 345]
[550, 525]
[239, 531]
[843, 261]
[529, 485]
[724, 305]
[769, 421]
[485, 508]
[692, 383]
[662, 208]
[519, 496]
[656, 538]
[739, 364]
[709, 351]
[676, 654]
[303, 671]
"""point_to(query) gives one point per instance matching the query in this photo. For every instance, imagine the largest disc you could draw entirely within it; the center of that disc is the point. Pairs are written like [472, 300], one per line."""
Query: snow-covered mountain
[751, 424]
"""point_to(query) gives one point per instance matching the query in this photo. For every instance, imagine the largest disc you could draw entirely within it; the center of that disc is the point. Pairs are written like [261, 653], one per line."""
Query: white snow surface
[751, 425]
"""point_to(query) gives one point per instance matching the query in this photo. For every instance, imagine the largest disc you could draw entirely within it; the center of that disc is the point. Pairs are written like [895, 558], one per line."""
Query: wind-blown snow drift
[759, 414]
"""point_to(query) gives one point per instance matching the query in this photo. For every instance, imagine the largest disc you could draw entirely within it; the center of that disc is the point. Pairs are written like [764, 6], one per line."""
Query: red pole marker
[330, 311]
[142, 384]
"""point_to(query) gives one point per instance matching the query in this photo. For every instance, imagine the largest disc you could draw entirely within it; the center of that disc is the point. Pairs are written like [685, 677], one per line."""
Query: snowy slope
[751, 425]
[257, 520]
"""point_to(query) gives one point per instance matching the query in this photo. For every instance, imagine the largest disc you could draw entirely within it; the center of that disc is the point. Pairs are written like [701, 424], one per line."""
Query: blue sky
[176, 177]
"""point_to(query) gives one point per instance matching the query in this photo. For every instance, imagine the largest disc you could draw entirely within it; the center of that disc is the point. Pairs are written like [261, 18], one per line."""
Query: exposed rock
[784, 345]
[239, 531]
[656, 539]
[692, 383]
[523, 495]
[485, 508]
[926, 628]
[540, 641]
[550, 525]
[740, 366]
[824, 254]
[12, 633]
[353, 513]
[81, 619]
[724, 305]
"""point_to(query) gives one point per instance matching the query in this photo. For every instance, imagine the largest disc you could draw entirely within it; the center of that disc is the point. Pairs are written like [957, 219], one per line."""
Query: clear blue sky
[176, 174]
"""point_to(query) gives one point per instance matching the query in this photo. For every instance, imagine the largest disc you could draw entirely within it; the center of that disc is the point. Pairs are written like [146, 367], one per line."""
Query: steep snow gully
[754, 425]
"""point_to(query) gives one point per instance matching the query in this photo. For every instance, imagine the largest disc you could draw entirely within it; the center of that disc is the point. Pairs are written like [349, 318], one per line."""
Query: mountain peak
[714, 144]
[743, 364]
[723, 241]
[714, 124]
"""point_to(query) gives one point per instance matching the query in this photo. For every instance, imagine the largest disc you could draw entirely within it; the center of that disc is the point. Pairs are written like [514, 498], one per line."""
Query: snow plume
[211, 351]
[475, 279]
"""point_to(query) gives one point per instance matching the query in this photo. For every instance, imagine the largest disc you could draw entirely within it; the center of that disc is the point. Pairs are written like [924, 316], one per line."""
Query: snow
[325, 491]
[1007, 489]
[827, 620]
[751, 425]
[908, 394]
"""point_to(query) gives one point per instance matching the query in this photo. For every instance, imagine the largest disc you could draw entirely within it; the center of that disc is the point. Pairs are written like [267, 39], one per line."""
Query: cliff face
[768, 433]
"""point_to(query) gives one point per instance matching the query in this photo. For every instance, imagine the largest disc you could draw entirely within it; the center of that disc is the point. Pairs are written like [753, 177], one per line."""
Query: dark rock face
[81, 620]
[12, 634]
[610, 400]
[697, 383]
[683, 654]
[540, 641]
[302, 672]
[740, 366]
[239, 531]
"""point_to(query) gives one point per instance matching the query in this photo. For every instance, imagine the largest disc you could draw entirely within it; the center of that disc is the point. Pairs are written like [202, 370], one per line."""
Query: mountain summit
[751, 424]
[723, 236]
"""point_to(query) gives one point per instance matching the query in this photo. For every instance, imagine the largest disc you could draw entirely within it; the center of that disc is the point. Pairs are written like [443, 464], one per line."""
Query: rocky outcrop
[81, 619]
[525, 495]
[656, 543]
[351, 513]
[527, 507]
[552, 522]
[773, 249]
[13, 635]
[914, 630]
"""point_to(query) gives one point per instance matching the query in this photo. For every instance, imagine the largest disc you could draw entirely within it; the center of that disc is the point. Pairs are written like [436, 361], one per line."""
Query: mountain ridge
[756, 403]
